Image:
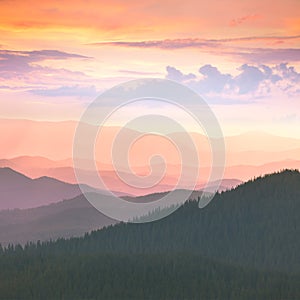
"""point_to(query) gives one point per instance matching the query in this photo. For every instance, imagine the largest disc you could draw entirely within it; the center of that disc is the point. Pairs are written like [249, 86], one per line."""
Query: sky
[242, 57]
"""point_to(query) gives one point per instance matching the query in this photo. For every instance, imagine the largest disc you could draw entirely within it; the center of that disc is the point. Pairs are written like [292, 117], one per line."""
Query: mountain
[246, 172]
[260, 157]
[20, 191]
[18, 136]
[243, 245]
[67, 218]
[33, 168]
[261, 141]
[34, 162]
[256, 224]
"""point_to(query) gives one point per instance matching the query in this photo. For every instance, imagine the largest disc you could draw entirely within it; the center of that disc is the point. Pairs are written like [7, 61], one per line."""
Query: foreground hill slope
[243, 245]
[257, 225]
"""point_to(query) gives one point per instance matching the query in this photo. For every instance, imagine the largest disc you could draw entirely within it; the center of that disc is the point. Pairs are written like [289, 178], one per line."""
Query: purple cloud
[22, 70]
[191, 42]
[223, 47]
[176, 75]
[12, 62]
[255, 81]
[163, 44]
[67, 91]
[214, 80]
[288, 72]
[268, 55]
[249, 79]
[142, 73]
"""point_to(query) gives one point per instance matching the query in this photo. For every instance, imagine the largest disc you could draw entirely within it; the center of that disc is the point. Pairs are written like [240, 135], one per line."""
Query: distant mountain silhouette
[33, 167]
[62, 170]
[18, 136]
[67, 218]
[20, 191]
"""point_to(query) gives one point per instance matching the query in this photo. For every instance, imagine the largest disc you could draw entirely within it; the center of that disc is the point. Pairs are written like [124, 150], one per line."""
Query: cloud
[253, 81]
[213, 80]
[21, 61]
[288, 72]
[268, 55]
[269, 74]
[27, 70]
[249, 79]
[142, 73]
[228, 46]
[67, 91]
[191, 42]
[176, 75]
[162, 44]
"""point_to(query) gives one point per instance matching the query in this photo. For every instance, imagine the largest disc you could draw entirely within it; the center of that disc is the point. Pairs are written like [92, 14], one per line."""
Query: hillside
[243, 245]
[256, 224]
[64, 219]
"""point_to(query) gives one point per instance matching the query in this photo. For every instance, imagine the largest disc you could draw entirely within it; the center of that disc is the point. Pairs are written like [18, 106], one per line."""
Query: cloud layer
[237, 48]
[252, 80]
[26, 70]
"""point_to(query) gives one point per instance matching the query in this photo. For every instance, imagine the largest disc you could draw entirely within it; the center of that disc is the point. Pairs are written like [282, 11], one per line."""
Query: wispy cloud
[268, 55]
[14, 63]
[162, 44]
[191, 42]
[27, 70]
[142, 73]
[233, 47]
[67, 91]
[22, 60]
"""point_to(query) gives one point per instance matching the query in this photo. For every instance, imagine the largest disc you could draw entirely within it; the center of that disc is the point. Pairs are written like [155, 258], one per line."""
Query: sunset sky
[243, 57]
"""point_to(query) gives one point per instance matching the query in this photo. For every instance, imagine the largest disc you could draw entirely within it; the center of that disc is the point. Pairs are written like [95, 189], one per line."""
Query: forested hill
[256, 224]
[245, 244]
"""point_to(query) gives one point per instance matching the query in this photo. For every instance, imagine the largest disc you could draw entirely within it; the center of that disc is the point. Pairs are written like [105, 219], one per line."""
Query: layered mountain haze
[233, 174]
[20, 191]
[112, 179]
[68, 218]
[54, 140]
[247, 156]
[37, 209]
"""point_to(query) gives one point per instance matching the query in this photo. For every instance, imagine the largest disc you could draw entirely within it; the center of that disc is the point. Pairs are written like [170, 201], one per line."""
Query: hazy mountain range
[20, 191]
[247, 155]
[49, 215]
[243, 245]
[66, 218]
